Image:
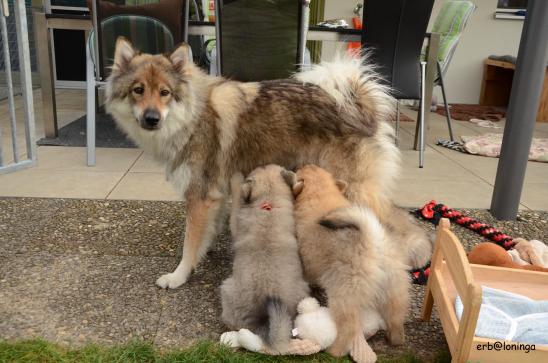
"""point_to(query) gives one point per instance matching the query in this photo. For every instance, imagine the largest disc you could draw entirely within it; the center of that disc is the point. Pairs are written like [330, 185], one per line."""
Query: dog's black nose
[151, 117]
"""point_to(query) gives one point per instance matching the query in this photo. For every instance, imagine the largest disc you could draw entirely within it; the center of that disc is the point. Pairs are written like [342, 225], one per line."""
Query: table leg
[431, 62]
[43, 47]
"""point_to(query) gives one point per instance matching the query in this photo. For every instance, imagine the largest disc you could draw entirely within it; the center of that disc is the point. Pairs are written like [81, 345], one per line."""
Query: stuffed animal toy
[532, 252]
[315, 330]
[488, 253]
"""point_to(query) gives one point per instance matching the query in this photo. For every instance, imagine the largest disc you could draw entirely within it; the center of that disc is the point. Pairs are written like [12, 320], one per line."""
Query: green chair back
[450, 24]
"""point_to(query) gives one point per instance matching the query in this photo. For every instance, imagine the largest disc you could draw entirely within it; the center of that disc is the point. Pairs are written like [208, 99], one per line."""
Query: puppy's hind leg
[347, 319]
[395, 311]
[201, 228]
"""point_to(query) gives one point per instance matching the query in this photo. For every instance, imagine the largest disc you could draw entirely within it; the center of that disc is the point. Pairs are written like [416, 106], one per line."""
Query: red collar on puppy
[266, 206]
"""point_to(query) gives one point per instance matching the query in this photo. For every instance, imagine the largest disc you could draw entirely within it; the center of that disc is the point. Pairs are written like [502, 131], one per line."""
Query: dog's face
[143, 88]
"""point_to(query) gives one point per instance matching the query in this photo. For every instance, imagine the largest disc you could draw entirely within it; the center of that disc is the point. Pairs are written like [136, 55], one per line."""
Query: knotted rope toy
[434, 212]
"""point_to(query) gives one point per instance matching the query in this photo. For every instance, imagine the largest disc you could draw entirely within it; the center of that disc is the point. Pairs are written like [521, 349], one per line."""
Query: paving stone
[75, 299]
[21, 223]
[75, 271]
[193, 311]
[96, 227]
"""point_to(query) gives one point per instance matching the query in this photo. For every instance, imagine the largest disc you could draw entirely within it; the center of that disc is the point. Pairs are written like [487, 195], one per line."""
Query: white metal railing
[20, 14]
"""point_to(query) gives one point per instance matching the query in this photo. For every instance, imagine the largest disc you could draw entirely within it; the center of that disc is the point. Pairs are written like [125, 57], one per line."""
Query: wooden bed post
[467, 326]
[428, 302]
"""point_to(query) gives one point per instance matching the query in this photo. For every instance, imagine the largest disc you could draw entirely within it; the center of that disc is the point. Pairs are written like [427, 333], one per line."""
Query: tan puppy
[346, 251]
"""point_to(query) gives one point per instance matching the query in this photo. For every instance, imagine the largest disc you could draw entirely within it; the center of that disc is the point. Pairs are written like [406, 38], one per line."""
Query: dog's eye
[164, 92]
[139, 90]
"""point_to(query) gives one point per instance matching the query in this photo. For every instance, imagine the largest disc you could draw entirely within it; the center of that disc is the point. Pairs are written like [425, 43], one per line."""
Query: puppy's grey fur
[267, 280]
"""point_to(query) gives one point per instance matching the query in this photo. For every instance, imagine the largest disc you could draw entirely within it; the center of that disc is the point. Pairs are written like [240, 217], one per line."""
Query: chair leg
[397, 122]
[446, 104]
[421, 118]
[90, 109]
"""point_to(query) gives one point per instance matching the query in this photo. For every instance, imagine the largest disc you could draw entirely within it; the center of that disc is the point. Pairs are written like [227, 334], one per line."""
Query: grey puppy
[267, 279]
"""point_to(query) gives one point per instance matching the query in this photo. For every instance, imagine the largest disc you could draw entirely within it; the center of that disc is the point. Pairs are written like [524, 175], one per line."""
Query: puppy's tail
[276, 331]
[356, 88]
[357, 219]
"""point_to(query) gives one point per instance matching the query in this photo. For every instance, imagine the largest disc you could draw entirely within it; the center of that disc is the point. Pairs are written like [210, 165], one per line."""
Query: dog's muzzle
[151, 119]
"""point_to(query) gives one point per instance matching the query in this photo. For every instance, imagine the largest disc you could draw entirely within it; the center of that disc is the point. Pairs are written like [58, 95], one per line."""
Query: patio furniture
[450, 275]
[496, 86]
[154, 27]
[393, 34]
[260, 40]
[450, 24]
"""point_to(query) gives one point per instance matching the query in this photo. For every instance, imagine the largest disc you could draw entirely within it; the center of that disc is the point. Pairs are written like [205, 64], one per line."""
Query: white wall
[483, 36]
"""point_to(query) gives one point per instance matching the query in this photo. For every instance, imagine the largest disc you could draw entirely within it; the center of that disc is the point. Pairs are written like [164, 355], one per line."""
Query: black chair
[394, 32]
[260, 39]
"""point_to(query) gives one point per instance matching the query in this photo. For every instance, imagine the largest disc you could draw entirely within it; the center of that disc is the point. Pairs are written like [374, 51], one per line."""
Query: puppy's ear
[291, 180]
[247, 187]
[342, 185]
[123, 54]
[298, 187]
[289, 177]
[180, 56]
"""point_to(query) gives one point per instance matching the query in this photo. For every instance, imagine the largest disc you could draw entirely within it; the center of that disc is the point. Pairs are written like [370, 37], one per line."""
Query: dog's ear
[291, 180]
[289, 177]
[298, 187]
[123, 54]
[180, 56]
[342, 185]
[246, 189]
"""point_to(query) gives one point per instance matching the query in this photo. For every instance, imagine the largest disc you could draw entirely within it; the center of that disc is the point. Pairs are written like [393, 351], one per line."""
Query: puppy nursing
[267, 280]
[345, 250]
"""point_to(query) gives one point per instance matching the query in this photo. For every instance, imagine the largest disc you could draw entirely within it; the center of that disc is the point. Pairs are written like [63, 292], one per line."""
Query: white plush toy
[315, 330]
[314, 323]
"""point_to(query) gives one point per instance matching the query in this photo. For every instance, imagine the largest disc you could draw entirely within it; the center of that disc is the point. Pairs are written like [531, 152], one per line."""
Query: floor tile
[74, 159]
[147, 164]
[457, 194]
[535, 196]
[58, 184]
[144, 186]
[436, 167]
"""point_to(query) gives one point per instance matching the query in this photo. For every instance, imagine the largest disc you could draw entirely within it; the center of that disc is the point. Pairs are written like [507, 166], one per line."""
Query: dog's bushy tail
[276, 330]
[356, 88]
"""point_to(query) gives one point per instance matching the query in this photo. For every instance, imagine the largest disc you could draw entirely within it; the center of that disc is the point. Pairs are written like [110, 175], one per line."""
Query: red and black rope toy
[433, 212]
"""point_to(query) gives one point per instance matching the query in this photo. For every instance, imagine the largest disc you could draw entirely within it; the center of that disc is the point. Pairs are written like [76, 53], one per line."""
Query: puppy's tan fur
[346, 251]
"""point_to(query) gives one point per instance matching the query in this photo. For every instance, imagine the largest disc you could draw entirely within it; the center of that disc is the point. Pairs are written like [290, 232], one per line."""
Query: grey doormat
[74, 134]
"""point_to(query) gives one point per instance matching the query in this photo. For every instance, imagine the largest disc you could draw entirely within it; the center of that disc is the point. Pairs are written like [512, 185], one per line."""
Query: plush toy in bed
[491, 254]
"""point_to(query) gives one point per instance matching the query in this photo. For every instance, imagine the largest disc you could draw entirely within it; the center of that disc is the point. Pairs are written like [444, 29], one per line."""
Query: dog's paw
[230, 338]
[170, 281]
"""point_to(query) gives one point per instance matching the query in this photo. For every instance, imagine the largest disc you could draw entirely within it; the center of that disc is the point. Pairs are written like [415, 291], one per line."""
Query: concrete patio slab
[76, 299]
[106, 294]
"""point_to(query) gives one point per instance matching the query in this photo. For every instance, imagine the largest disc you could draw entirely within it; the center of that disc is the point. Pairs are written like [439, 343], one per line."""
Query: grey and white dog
[267, 279]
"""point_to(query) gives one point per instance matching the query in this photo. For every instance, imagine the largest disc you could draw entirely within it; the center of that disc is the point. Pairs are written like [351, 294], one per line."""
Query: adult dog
[205, 129]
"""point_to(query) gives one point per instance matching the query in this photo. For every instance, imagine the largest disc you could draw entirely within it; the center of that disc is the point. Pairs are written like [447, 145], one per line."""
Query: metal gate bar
[26, 86]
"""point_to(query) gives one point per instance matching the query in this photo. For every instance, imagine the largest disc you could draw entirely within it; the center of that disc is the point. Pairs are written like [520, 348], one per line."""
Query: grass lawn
[40, 351]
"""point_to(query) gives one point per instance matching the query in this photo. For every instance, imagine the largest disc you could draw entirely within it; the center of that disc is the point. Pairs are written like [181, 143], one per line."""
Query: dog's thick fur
[209, 128]
[267, 280]
[345, 250]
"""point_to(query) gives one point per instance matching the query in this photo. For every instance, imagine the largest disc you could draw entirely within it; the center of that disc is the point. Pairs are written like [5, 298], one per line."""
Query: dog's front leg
[201, 228]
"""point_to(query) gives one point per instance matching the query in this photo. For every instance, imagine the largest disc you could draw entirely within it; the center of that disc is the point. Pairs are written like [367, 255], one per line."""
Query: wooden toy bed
[450, 273]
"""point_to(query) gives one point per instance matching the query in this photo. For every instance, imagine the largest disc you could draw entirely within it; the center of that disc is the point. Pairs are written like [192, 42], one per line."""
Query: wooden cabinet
[497, 84]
